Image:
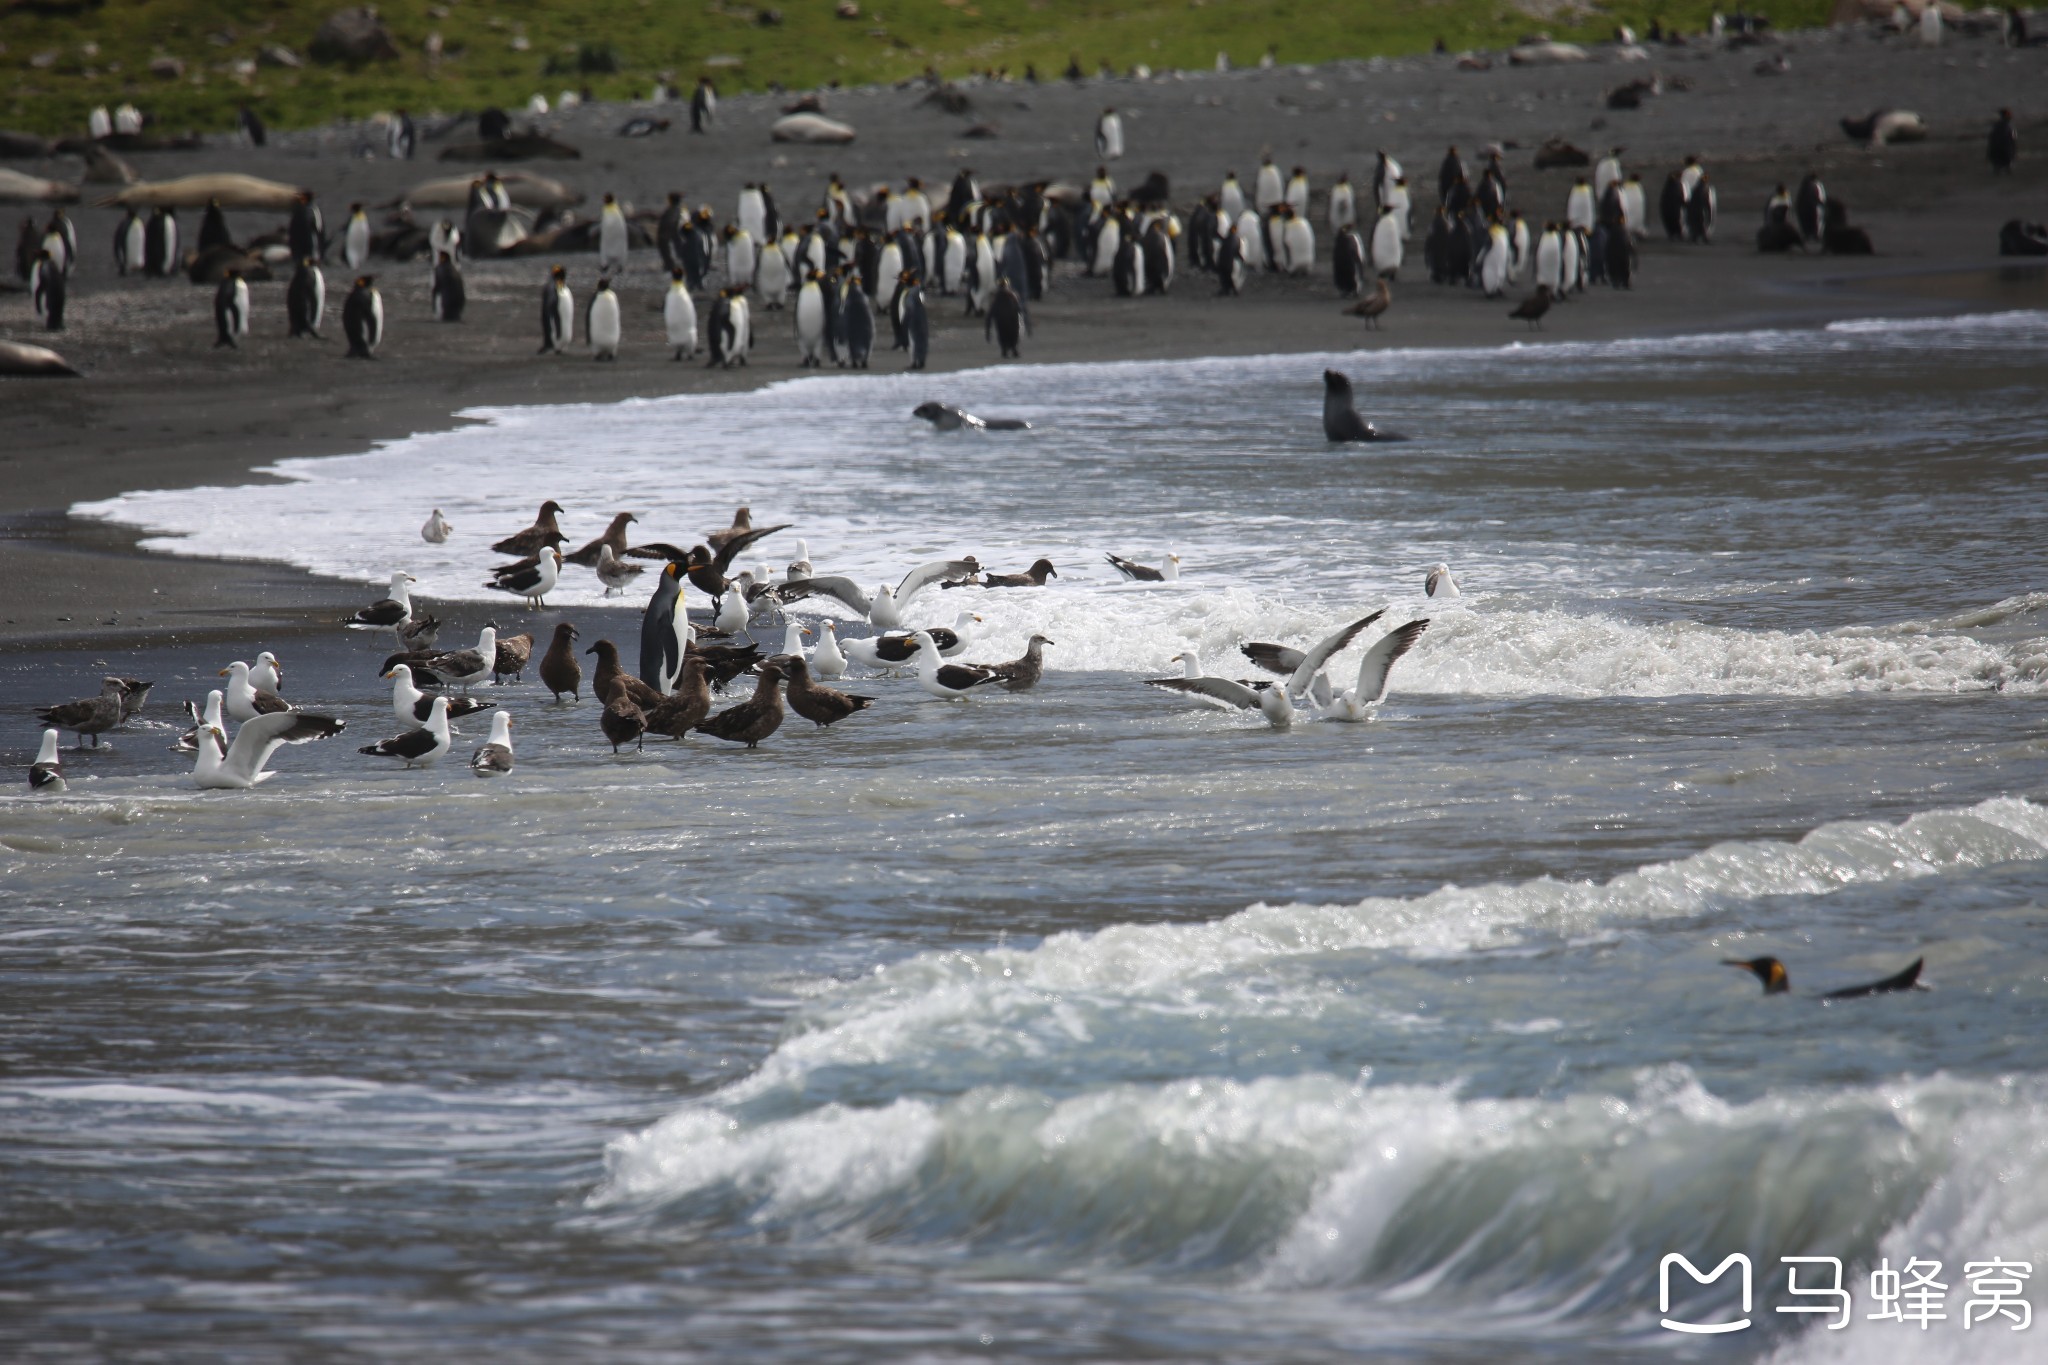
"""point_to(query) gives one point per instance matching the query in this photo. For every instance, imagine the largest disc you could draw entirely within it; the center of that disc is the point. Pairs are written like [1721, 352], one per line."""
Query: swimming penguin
[1109, 135]
[355, 238]
[448, 295]
[1387, 249]
[613, 240]
[305, 299]
[131, 247]
[1578, 205]
[1343, 205]
[230, 309]
[858, 310]
[213, 228]
[917, 326]
[679, 315]
[47, 291]
[362, 319]
[1266, 189]
[601, 321]
[160, 243]
[1341, 421]
[1777, 981]
[1006, 320]
[1230, 199]
[810, 322]
[1347, 262]
[557, 313]
[703, 105]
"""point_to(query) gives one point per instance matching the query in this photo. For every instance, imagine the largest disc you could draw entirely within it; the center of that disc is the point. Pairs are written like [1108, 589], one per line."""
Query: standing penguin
[355, 238]
[305, 299]
[230, 309]
[1634, 208]
[1157, 244]
[917, 326]
[160, 243]
[601, 322]
[307, 231]
[668, 232]
[1578, 205]
[403, 136]
[557, 313]
[739, 256]
[679, 315]
[1449, 172]
[810, 322]
[1671, 207]
[47, 290]
[1299, 241]
[719, 337]
[858, 311]
[1127, 271]
[1109, 135]
[703, 105]
[1808, 206]
[1267, 190]
[1347, 260]
[213, 228]
[1230, 199]
[131, 246]
[1621, 256]
[1550, 259]
[1387, 248]
[613, 241]
[1700, 207]
[771, 276]
[1297, 191]
[362, 319]
[1343, 205]
[2004, 147]
[742, 326]
[60, 238]
[1230, 263]
[449, 296]
[1493, 266]
[1006, 320]
[1606, 173]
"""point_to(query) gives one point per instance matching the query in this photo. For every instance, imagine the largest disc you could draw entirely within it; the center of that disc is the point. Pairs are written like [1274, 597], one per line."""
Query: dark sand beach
[161, 407]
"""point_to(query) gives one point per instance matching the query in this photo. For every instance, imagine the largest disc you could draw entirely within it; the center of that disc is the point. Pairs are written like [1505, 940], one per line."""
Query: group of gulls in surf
[682, 664]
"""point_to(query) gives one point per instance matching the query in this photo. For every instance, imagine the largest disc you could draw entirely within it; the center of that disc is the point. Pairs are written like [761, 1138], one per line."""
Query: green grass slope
[62, 57]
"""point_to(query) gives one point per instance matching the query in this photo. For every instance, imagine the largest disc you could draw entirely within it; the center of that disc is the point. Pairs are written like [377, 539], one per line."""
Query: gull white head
[1190, 663]
[401, 583]
[268, 673]
[501, 728]
[793, 639]
[1170, 570]
[1439, 582]
[437, 528]
[487, 640]
[48, 753]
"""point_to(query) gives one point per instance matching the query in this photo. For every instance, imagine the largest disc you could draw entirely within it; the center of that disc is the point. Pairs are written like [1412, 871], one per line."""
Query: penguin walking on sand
[1343, 205]
[160, 244]
[719, 337]
[48, 291]
[1347, 263]
[810, 322]
[703, 105]
[1267, 190]
[857, 311]
[131, 245]
[679, 315]
[613, 240]
[601, 322]
[1493, 266]
[230, 309]
[1007, 321]
[1230, 264]
[362, 319]
[355, 238]
[1671, 207]
[60, 238]
[557, 313]
[305, 299]
[1109, 135]
[449, 295]
[917, 324]
[1578, 205]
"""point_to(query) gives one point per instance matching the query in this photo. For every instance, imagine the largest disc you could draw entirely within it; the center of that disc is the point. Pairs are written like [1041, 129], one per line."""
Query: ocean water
[1095, 1024]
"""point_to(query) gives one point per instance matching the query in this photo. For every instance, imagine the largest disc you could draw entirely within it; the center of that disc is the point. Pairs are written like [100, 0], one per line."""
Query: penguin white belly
[1399, 203]
[357, 247]
[1268, 192]
[885, 274]
[604, 325]
[1301, 247]
[1386, 244]
[1549, 257]
[1632, 209]
[1493, 271]
[956, 263]
[319, 297]
[1343, 208]
[1578, 209]
[134, 247]
[1568, 268]
[1251, 235]
[739, 261]
[1518, 259]
[773, 277]
[376, 319]
[679, 314]
[742, 328]
[241, 314]
[1107, 242]
[810, 321]
[611, 241]
[565, 317]
[1231, 204]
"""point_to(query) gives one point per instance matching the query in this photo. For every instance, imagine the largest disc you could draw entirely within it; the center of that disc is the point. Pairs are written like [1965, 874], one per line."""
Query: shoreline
[162, 408]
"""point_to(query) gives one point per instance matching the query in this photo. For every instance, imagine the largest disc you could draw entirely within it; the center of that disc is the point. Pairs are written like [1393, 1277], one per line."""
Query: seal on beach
[946, 417]
[1341, 421]
[23, 361]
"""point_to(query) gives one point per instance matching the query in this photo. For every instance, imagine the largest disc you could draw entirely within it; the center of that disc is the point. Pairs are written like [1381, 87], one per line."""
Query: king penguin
[362, 319]
[601, 322]
[131, 246]
[679, 315]
[810, 322]
[557, 313]
[47, 290]
[449, 295]
[859, 312]
[1387, 247]
[305, 299]
[1267, 190]
[917, 325]
[160, 246]
[355, 238]
[664, 631]
[231, 309]
[613, 240]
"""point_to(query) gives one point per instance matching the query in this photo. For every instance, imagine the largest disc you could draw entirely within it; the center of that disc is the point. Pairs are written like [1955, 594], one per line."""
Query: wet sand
[162, 407]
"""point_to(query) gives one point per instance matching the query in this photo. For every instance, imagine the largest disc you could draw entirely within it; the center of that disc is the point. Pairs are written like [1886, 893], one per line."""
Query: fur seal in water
[946, 417]
[1341, 421]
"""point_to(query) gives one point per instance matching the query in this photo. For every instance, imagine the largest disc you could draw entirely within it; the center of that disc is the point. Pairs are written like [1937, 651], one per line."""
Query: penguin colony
[832, 275]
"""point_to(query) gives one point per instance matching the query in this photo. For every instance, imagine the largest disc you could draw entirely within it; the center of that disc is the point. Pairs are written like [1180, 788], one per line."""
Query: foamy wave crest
[1024, 1003]
[1531, 1209]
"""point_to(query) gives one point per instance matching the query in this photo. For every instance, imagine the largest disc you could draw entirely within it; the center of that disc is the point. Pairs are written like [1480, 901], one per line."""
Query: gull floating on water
[950, 682]
[437, 528]
[1439, 583]
[46, 774]
[1167, 572]
[494, 759]
[421, 748]
[246, 700]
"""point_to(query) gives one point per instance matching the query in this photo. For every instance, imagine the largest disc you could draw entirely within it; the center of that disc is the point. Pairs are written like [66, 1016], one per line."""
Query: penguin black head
[365, 281]
[558, 273]
[603, 285]
[608, 198]
[1768, 970]
[676, 274]
[445, 258]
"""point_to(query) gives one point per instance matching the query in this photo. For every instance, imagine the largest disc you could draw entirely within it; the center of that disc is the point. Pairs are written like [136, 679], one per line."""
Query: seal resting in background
[1341, 421]
[946, 417]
